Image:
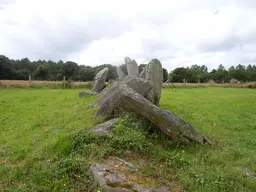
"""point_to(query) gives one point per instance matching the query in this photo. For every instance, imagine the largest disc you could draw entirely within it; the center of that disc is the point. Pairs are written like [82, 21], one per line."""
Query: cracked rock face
[112, 180]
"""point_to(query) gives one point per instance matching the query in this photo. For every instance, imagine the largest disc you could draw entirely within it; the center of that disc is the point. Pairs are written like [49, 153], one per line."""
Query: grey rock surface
[143, 73]
[105, 89]
[111, 99]
[111, 180]
[173, 126]
[127, 60]
[154, 73]
[131, 95]
[142, 96]
[104, 128]
[132, 67]
[120, 73]
[99, 80]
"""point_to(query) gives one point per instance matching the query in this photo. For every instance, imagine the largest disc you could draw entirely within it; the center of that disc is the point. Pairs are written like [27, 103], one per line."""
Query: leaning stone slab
[104, 128]
[132, 67]
[110, 100]
[142, 96]
[126, 98]
[105, 89]
[99, 80]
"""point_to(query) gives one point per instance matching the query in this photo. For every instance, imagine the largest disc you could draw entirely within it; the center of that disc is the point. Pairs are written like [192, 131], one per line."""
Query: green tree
[42, 72]
[51, 70]
[165, 75]
[86, 73]
[220, 75]
[239, 72]
[6, 71]
[221, 67]
[178, 74]
[251, 73]
[198, 74]
[22, 74]
[70, 69]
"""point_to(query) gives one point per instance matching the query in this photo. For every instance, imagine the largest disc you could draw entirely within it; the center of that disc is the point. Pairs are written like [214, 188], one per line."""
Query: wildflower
[99, 190]
[65, 185]
[78, 176]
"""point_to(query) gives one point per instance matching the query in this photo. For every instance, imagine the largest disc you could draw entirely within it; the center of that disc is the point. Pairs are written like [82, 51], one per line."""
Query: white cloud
[179, 33]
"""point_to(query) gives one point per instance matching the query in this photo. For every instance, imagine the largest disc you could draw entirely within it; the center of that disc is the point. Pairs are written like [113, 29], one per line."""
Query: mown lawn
[45, 144]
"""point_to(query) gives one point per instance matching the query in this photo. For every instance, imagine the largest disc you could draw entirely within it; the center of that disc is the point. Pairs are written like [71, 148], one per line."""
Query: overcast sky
[93, 32]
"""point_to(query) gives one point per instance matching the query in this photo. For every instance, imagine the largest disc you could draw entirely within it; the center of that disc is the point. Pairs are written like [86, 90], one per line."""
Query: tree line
[197, 73]
[11, 69]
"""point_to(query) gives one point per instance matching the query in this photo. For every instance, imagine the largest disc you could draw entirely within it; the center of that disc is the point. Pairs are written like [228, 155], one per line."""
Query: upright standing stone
[99, 80]
[120, 73]
[154, 73]
[132, 67]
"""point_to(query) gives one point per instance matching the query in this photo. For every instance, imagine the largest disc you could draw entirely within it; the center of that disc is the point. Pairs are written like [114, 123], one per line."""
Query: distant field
[239, 85]
[74, 84]
[45, 145]
[38, 84]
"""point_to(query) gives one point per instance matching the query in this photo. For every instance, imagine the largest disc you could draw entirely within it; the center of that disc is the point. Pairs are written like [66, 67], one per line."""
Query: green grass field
[45, 144]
